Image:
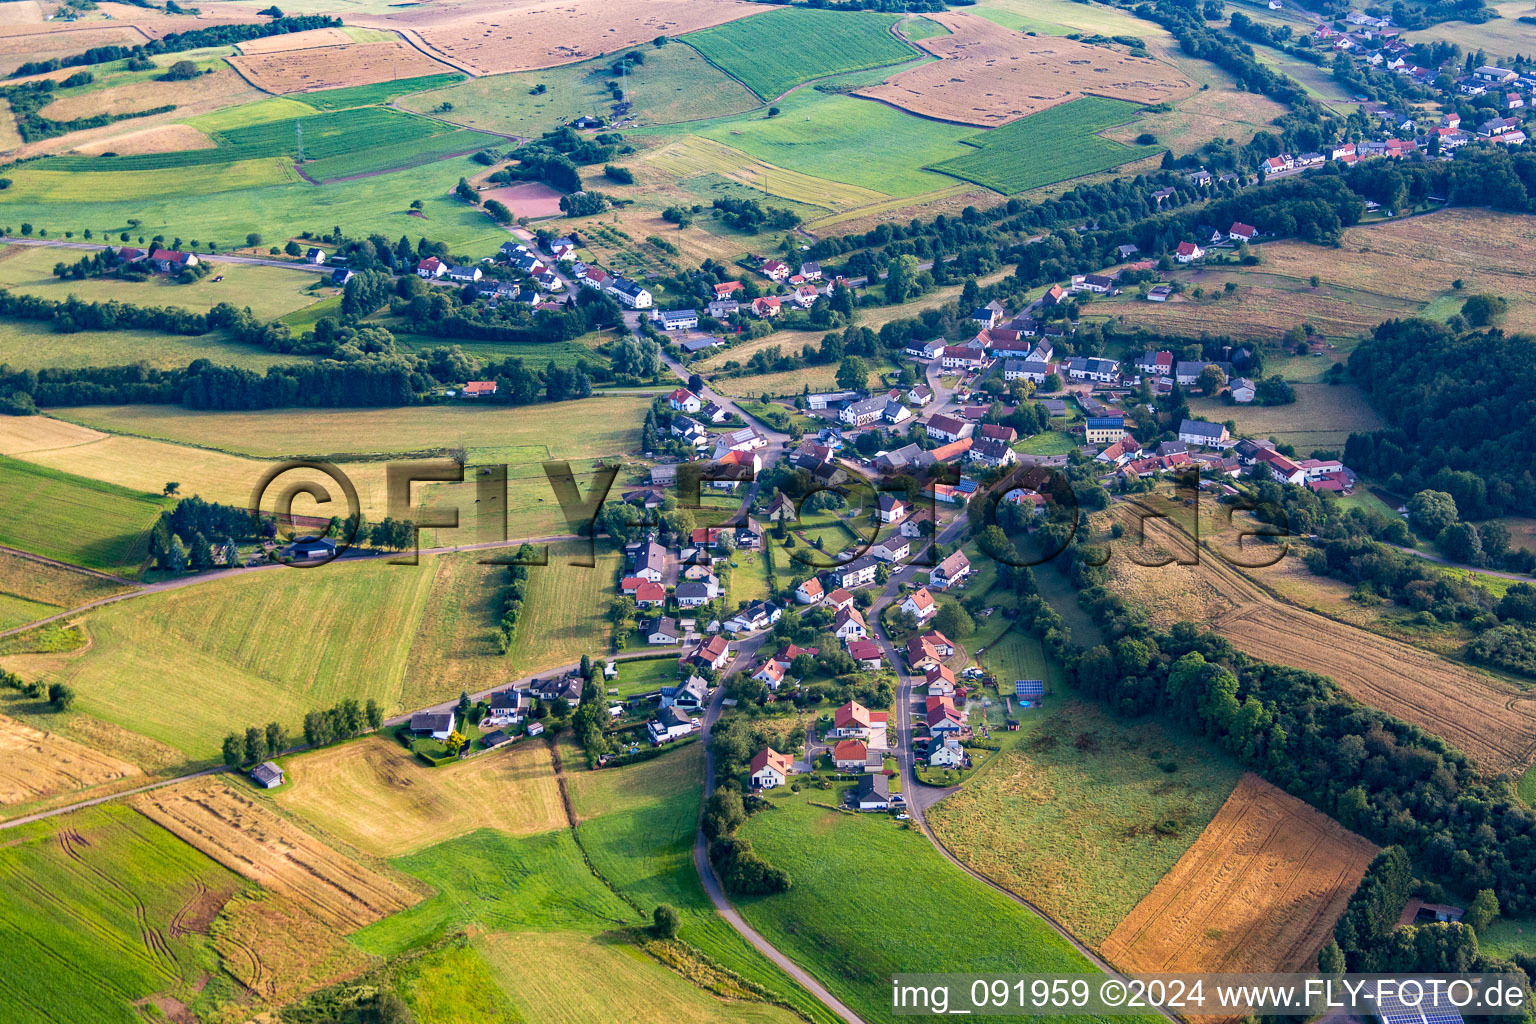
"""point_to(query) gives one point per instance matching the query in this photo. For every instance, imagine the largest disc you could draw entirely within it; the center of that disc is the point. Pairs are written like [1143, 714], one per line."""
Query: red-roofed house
[479, 388]
[714, 652]
[1240, 232]
[683, 400]
[431, 268]
[840, 599]
[810, 591]
[648, 594]
[850, 756]
[855, 720]
[726, 289]
[940, 680]
[770, 768]
[920, 605]
[770, 672]
[866, 653]
[1188, 252]
[766, 306]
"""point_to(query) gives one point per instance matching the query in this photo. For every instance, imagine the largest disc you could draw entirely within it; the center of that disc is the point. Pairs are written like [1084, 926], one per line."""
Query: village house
[677, 319]
[854, 721]
[714, 653]
[774, 270]
[920, 605]
[720, 309]
[766, 307]
[668, 725]
[850, 756]
[849, 625]
[809, 591]
[840, 599]
[756, 616]
[662, 632]
[858, 573]
[1188, 252]
[948, 428]
[650, 561]
[929, 649]
[683, 400]
[630, 294]
[873, 793]
[920, 395]
[1101, 371]
[1199, 432]
[992, 454]
[946, 753]
[769, 672]
[1104, 429]
[770, 769]
[890, 508]
[436, 724]
[939, 680]
[691, 695]
[866, 654]
[954, 568]
[892, 548]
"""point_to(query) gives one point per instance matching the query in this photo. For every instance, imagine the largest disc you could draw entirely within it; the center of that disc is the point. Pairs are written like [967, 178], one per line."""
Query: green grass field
[269, 292]
[79, 187]
[1054, 145]
[865, 893]
[32, 345]
[917, 29]
[642, 675]
[378, 92]
[825, 43]
[1526, 787]
[1081, 813]
[73, 519]
[846, 139]
[674, 84]
[1052, 442]
[186, 666]
[1323, 416]
[86, 910]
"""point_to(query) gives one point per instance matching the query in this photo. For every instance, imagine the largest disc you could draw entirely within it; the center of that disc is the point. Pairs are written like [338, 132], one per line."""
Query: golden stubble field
[987, 75]
[380, 798]
[1259, 891]
[245, 836]
[497, 36]
[1490, 721]
[35, 764]
[307, 68]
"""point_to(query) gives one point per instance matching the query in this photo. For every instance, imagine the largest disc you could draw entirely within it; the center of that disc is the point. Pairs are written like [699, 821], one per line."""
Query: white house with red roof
[810, 591]
[920, 605]
[431, 268]
[770, 769]
[1240, 232]
[850, 756]
[867, 654]
[1188, 252]
[849, 625]
[683, 400]
[853, 720]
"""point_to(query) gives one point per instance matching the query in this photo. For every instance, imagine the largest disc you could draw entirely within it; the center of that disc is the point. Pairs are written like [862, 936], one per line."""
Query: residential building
[1104, 429]
[920, 605]
[668, 725]
[436, 724]
[810, 591]
[948, 428]
[1188, 252]
[662, 632]
[1199, 432]
[891, 508]
[873, 793]
[854, 721]
[866, 654]
[858, 573]
[677, 319]
[770, 769]
[992, 453]
[850, 755]
[849, 625]
[954, 568]
[630, 294]
[720, 309]
[892, 548]
[713, 653]
[691, 695]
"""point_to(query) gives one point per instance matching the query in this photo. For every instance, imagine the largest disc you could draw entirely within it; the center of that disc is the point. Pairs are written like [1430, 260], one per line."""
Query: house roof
[865, 650]
[937, 672]
[873, 784]
[956, 562]
[849, 614]
[921, 599]
[266, 772]
[770, 758]
[431, 721]
[839, 596]
[850, 750]
[1200, 428]
[854, 713]
[946, 424]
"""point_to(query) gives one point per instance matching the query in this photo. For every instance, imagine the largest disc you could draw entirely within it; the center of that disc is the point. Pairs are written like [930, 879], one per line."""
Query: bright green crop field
[378, 92]
[758, 50]
[1054, 145]
[865, 894]
[86, 909]
[83, 522]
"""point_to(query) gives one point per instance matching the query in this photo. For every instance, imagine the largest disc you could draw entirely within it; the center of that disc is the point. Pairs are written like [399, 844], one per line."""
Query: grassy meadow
[1082, 814]
[826, 43]
[73, 519]
[1323, 416]
[674, 84]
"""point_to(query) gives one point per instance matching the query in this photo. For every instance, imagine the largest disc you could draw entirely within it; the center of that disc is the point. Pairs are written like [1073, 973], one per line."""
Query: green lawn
[642, 675]
[638, 827]
[79, 892]
[1052, 442]
[1054, 145]
[1526, 787]
[32, 345]
[866, 896]
[917, 29]
[756, 50]
[674, 84]
[73, 519]
[1105, 812]
[847, 139]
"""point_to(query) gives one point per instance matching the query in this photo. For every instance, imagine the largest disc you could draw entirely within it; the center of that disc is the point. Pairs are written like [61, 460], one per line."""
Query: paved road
[211, 257]
[746, 653]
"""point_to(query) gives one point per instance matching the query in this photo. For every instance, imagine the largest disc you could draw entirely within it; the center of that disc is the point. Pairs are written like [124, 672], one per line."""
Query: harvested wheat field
[1259, 891]
[987, 75]
[377, 796]
[294, 41]
[193, 96]
[1490, 721]
[249, 839]
[22, 42]
[332, 67]
[1418, 257]
[279, 950]
[531, 199]
[496, 36]
[162, 138]
[1265, 306]
[35, 764]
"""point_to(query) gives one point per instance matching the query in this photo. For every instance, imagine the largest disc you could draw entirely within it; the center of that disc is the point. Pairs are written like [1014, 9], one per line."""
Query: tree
[464, 704]
[180, 72]
[1330, 960]
[374, 714]
[1482, 310]
[1482, 911]
[455, 742]
[60, 696]
[665, 921]
[1431, 512]
[292, 248]
[498, 211]
[466, 192]
[1212, 380]
[255, 745]
[852, 374]
[171, 488]
[277, 738]
[900, 279]
[953, 620]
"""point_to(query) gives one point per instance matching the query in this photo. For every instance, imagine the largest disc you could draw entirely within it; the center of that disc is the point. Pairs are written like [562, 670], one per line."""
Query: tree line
[176, 42]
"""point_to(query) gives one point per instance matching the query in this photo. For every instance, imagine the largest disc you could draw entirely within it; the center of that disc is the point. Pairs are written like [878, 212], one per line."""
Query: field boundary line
[246, 78]
[44, 560]
[427, 50]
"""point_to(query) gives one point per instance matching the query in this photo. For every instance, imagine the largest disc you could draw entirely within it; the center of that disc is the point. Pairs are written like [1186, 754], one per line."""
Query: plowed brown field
[247, 838]
[1259, 891]
[987, 75]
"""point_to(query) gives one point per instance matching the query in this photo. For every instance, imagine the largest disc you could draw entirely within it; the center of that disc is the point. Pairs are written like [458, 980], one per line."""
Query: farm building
[267, 775]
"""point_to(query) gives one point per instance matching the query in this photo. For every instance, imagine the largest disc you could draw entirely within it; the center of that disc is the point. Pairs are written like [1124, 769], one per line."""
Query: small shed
[535, 728]
[267, 775]
[495, 739]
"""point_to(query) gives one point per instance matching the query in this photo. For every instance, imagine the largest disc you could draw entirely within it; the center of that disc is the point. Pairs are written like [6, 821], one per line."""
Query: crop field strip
[238, 832]
[1490, 721]
[1054, 145]
[830, 43]
[346, 65]
[74, 519]
[1259, 891]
